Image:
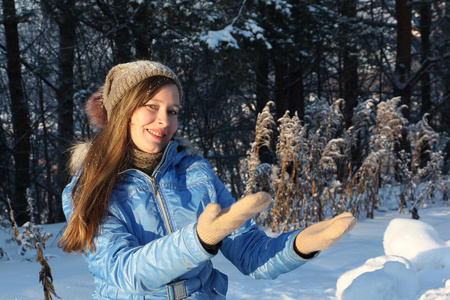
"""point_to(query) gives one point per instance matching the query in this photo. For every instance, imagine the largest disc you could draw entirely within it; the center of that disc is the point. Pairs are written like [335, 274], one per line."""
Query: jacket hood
[79, 151]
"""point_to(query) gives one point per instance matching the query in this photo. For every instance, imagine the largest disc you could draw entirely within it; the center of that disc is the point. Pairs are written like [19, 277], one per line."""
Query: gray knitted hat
[123, 77]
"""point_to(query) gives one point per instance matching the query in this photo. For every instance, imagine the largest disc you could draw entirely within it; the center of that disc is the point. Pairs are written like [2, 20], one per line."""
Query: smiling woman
[149, 215]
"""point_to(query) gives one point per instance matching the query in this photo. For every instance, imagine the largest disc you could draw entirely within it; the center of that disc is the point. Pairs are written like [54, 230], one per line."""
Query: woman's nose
[163, 117]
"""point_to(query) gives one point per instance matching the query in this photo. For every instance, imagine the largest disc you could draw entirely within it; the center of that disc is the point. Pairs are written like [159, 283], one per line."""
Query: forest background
[322, 103]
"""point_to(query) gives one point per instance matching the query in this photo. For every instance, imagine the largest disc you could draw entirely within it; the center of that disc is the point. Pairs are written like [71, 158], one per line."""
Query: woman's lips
[156, 133]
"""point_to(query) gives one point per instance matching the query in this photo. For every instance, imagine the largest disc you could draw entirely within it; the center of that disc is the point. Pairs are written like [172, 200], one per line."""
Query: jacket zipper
[160, 201]
[155, 190]
[166, 219]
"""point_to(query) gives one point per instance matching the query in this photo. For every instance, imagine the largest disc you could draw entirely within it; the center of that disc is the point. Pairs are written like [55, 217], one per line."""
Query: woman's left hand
[323, 235]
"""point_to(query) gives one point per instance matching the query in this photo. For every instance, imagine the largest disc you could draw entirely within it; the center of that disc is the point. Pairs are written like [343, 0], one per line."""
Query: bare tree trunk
[288, 88]
[444, 70]
[262, 77]
[403, 61]
[66, 24]
[425, 28]
[48, 167]
[19, 113]
[143, 39]
[262, 92]
[122, 36]
[295, 94]
[281, 71]
[350, 70]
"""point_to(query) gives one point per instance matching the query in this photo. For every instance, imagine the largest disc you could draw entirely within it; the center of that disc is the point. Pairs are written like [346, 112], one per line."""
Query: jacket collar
[173, 154]
[178, 148]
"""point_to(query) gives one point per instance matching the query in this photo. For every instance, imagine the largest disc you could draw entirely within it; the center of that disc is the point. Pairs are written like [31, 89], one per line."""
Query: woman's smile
[157, 134]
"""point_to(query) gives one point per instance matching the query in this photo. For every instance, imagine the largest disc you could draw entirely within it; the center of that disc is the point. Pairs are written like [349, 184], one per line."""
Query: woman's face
[153, 124]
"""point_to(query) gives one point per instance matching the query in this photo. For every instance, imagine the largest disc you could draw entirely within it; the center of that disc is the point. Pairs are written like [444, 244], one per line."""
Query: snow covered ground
[388, 257]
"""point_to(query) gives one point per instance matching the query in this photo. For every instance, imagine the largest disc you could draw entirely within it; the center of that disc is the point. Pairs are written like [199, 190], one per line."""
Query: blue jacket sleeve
[253, 252]
[120, 261]
[259, 256]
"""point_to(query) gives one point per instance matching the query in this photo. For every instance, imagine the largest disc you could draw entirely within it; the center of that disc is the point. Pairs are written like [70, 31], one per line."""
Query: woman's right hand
[214, 224]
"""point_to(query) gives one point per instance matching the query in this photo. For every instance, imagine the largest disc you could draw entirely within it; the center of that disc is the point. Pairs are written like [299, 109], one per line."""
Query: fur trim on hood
[79, 151]
[184, 143]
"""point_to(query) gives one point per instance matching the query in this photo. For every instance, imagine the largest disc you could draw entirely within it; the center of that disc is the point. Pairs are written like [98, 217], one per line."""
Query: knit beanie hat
[121, 79]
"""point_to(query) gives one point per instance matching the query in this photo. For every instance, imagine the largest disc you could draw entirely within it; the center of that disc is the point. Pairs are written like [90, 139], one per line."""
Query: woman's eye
[173, 112]
[151, 106]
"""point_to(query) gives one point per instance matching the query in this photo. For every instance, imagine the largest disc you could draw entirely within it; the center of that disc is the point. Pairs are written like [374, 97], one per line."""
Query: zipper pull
[154, 186]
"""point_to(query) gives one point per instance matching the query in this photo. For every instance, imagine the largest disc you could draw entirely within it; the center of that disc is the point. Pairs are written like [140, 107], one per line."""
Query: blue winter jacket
[148, 246]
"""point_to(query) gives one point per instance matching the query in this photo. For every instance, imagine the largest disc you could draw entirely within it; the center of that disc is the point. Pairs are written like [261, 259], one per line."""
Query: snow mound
[383, 277]
[437, 294]
[413, 250]
[418, 242]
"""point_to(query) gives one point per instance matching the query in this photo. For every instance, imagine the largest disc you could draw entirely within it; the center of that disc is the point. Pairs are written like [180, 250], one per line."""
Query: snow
[418, 242]
[388, 257]
[215, 38]
[383, 277]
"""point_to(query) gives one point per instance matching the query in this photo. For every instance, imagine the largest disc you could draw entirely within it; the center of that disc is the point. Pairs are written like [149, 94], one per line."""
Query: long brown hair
[108, 155]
